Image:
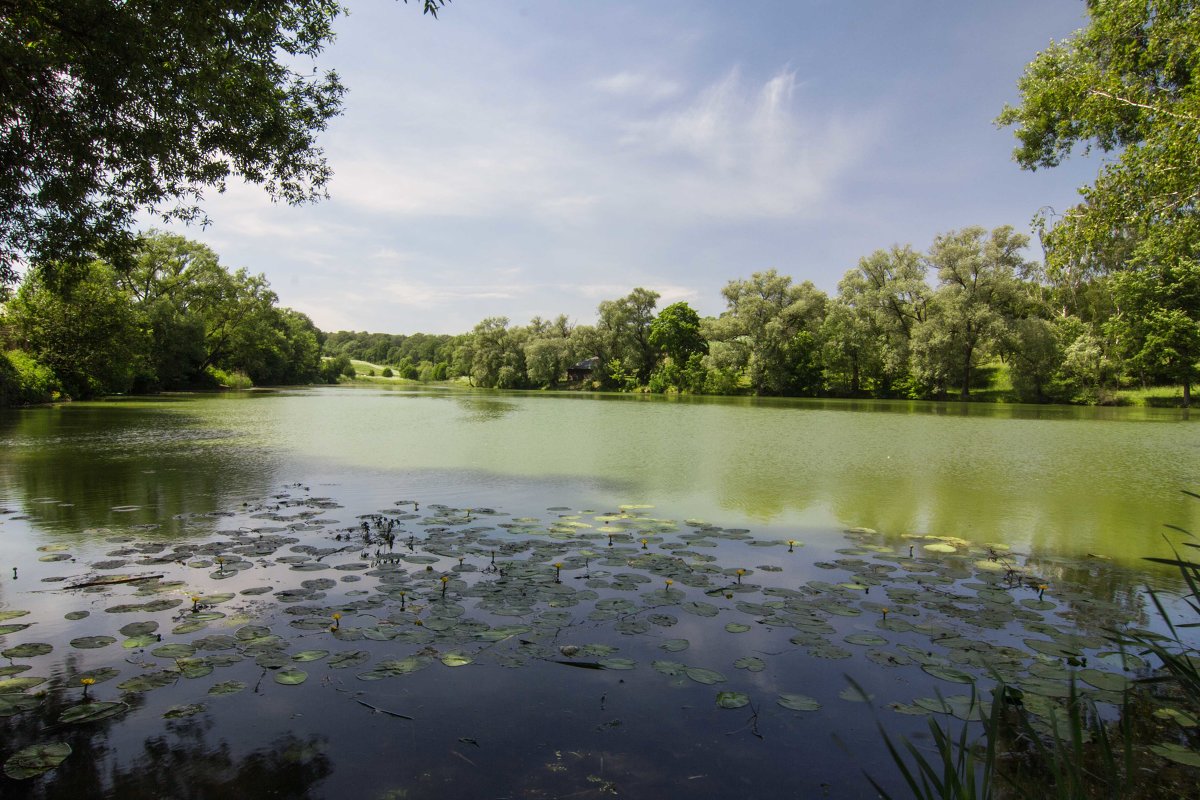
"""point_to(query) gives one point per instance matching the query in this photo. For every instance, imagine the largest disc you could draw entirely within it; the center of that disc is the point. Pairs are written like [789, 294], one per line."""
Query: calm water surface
[1059, 480]
[1081, 494]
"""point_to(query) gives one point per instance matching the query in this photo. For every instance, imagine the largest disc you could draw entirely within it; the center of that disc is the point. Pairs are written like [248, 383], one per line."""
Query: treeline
[421, 356]
[173, 318]
[903, 324]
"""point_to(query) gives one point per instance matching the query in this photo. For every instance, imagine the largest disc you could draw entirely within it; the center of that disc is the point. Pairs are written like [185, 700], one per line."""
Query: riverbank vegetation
[971, 317]
[176, 319]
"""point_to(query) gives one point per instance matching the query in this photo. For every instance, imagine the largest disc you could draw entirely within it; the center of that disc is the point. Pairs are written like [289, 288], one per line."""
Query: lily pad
[732, 699]
[16, 703]
[189, 710]
[310, 655]
[948, 673]
[798, 702]
[1173, 751]
[141, 640]
[227, 687]
[453, 659]
[37, 759]
[290, 676]
[19, 684]
[149, 681]
[28, 650]
[349, 658]
[675, 645]
[91, 712]
[92, 642]
[705, 676]
[751, 663]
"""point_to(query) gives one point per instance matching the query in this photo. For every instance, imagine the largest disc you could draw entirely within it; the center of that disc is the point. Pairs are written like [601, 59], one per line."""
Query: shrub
[24, 380]
[387, 372]
[230, 380]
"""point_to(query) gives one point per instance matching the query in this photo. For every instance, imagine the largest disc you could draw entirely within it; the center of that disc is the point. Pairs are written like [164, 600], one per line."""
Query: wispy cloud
[743, 151]
[638, 86]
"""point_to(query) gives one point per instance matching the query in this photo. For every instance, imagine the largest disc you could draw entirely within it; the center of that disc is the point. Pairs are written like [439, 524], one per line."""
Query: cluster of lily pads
[295, 593]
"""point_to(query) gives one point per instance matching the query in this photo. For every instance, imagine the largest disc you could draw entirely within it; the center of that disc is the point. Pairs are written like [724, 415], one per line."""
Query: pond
[365, 592]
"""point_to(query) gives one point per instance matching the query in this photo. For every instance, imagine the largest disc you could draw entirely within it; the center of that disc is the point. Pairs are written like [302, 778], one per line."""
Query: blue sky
[534, 158]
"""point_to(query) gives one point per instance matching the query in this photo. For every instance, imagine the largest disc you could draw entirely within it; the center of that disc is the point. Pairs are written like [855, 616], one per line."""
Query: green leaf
[37, 759]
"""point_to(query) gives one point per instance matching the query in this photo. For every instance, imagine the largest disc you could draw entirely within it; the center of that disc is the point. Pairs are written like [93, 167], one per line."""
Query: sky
[525, 158]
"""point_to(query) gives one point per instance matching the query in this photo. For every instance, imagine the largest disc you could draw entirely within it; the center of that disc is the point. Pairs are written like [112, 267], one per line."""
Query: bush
[334, 368]
[25, 381]
[387, 372]
[230, 380]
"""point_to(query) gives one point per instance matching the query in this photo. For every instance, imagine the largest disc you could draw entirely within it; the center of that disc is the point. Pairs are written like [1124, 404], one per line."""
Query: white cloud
[747, 152]
[638, 86]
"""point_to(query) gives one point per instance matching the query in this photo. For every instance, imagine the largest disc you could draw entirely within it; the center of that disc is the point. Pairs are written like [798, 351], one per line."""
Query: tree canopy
[108, 108]
[1129, 85]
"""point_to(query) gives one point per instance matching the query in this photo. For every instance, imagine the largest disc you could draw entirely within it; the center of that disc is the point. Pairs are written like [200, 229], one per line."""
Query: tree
[623, 334]
[676, 332]
[774, 324]
[108, 108]
[887, 298]
[1127, 84]
[1158, 324]
[979, 275]
[88, 333]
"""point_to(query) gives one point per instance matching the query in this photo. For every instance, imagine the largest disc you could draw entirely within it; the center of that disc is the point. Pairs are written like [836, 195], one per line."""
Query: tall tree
[623, 334]
[1158, 322]
[676, 332]
[108, 108]
[979, 281]
[1128, 85]
[888, 297]
[775, 323]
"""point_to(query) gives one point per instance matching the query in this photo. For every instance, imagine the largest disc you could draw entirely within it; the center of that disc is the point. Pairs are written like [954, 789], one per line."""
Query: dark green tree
[676, 332]
[88, 332]
[108, 108]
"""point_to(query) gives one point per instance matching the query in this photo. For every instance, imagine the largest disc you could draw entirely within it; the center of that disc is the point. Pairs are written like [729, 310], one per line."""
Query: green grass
[1155, 396]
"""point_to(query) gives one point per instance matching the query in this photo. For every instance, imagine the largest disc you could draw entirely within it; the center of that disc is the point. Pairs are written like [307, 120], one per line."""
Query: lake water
[530, 480]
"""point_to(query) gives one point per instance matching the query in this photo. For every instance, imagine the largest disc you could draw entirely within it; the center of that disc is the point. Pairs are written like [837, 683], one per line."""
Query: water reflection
[99, 465]
[1051, 479]
[485, 409]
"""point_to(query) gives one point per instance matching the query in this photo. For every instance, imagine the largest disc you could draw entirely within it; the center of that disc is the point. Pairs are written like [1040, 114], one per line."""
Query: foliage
[229, 380]
[1158, 322]
[773, 324]
[968, 314]
[676, 333]
[337, 367]
[24, 381]
[623, 334]
[1127, 85]
[88, 333]
[174, 319]
[112, 108]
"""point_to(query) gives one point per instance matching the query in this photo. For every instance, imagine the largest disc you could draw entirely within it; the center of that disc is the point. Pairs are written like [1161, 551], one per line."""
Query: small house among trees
[582, 370]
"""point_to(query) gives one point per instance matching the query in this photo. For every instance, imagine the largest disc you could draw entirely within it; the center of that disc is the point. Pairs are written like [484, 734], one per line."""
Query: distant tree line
[903, 324]
[175, 318]
[420, 356]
